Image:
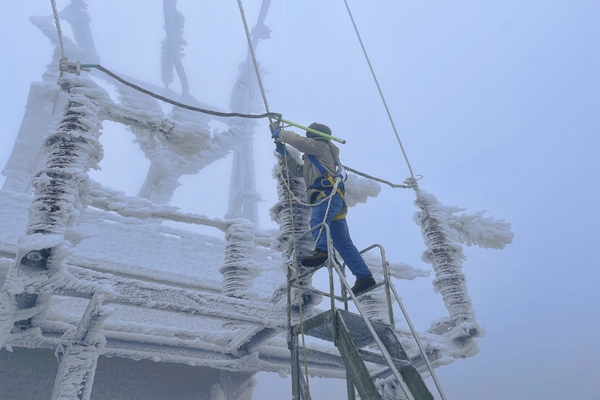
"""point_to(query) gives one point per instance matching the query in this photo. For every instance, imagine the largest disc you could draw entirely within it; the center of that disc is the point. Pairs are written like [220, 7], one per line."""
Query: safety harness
[325, 183]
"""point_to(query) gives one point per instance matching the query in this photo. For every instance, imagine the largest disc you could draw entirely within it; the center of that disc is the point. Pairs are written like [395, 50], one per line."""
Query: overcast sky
[497, 104]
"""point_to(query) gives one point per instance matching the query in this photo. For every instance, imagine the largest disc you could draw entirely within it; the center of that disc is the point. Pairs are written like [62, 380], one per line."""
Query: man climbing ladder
[320, 168]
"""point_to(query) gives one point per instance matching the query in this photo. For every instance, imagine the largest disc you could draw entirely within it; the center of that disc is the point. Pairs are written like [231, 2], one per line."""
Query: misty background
[497, 105]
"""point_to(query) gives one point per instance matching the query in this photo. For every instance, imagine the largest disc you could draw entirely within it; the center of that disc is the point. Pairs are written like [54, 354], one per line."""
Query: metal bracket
[74, 68]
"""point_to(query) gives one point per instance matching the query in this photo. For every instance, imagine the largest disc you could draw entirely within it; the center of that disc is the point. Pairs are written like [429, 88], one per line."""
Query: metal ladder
[351, 333]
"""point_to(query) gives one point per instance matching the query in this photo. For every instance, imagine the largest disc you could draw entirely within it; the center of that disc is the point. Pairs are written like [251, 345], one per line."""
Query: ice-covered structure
[131, 306]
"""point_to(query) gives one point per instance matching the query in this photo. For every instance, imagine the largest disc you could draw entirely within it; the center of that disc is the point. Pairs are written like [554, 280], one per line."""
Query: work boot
[317, 258]
[363, 284]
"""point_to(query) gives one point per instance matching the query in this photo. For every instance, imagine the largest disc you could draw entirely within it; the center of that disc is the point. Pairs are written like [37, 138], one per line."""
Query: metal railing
[346, 290]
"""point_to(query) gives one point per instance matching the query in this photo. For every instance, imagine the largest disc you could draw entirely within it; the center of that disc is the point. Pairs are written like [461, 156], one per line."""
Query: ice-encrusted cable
[176, 103]
[379, 89]
[251, 49]
[394, 185]
[57, 22]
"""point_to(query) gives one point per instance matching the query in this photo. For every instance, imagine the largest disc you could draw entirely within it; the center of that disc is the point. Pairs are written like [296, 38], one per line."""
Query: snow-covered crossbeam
[107, 199]
[161, 297]
[272, 356]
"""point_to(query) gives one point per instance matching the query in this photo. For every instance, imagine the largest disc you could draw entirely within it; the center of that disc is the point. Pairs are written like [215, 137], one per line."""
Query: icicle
[238, 269]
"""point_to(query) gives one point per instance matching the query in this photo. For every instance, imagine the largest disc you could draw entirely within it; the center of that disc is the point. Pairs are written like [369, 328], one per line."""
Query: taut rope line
[251, 49]
[379, 89]
[294, 245]
[57, 22]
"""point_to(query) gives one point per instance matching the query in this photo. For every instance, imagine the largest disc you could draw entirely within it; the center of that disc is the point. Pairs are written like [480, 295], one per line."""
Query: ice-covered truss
[89, 271]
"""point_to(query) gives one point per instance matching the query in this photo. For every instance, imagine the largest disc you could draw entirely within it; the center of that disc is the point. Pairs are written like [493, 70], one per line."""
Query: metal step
[361, 336]
[353, 335]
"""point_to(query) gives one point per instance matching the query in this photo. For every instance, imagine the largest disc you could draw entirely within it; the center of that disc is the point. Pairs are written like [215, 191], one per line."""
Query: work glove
[275, 128]
[275, 125]
[281, 149]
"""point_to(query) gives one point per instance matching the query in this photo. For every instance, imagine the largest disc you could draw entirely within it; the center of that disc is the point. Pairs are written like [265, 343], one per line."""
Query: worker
[320, 167]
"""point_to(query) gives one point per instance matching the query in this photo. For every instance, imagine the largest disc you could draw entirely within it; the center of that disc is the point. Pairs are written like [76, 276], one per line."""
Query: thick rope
[293, 196]
[379, 89]
[57, 22]
[176, 103]
[251, 49]
[298, 290]
[416, 188]
[294, 245]
[333, 193]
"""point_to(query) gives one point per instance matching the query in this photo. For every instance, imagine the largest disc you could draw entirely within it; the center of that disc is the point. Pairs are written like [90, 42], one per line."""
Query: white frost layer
[159, 323]
[359, 189]
[108, 242]
[468, 228]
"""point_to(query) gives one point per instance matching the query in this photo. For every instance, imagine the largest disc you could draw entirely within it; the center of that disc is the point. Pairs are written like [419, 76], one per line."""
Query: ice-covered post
[238, 269]
[78, 353]
[446, 257]
[60, 191]
[292, 218]
[444, 231]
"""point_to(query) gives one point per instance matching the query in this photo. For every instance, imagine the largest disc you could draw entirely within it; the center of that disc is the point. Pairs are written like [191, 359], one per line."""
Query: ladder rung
[377, 358]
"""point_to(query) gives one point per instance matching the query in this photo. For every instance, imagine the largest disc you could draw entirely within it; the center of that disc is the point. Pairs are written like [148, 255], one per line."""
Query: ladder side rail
[298, 392]
[350, 386]
[422, 351]
[355, 366]
[299, 385]
[381, 346]
[331, 265]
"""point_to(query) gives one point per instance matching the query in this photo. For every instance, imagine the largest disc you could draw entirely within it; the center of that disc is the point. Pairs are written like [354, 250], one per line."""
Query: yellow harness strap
[344, 211]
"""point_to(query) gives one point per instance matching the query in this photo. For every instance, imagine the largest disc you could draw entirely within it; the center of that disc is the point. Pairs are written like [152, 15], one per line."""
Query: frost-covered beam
[138, 119]
[265, 358]
[250, 338]
[272, 356]
[78, 353]
[161, 297]
[108, 199]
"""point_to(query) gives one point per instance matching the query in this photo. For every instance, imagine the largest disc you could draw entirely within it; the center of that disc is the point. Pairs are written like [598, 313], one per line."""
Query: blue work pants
[339, 234]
